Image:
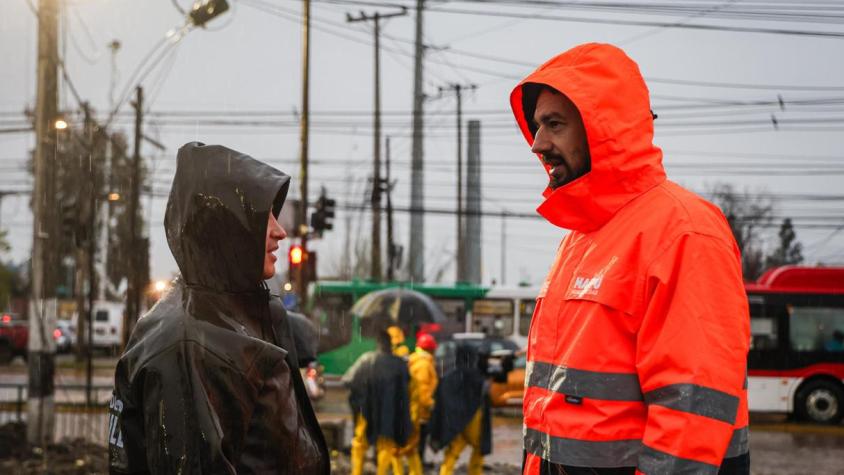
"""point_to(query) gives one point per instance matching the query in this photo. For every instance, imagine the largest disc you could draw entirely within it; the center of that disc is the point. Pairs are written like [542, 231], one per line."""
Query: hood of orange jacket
[613, 100]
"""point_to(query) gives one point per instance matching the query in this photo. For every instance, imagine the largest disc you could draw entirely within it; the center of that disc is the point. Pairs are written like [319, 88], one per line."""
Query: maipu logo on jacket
[583, 285]
[586, 285]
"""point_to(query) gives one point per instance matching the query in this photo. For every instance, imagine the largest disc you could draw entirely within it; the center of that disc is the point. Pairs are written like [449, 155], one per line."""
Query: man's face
[275, 233]
[560, 138]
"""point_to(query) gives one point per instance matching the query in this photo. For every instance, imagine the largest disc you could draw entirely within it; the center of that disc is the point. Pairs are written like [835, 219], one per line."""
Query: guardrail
[75, 416]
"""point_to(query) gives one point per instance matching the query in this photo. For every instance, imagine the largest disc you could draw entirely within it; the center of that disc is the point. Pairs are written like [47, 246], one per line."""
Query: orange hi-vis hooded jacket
[638, 344]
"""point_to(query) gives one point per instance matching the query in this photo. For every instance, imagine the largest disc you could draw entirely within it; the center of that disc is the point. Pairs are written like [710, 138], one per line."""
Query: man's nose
[282, 234]
[540, 145]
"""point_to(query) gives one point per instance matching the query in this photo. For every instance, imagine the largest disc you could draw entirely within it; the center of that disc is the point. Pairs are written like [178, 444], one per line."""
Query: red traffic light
[296, 255]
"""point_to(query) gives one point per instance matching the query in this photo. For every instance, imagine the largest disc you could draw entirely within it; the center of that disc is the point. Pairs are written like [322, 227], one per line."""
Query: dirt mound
[64, 458]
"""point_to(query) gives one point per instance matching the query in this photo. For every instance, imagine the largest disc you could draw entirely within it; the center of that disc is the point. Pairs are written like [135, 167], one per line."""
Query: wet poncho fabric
[459, 395]
[378, 390]
[207, 383]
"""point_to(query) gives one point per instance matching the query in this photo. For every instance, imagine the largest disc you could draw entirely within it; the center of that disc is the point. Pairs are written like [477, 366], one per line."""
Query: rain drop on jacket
[638, 345]
[209, 381]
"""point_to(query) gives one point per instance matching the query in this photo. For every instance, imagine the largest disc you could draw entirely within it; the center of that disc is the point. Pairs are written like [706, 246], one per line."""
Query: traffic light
[295, 256]
[322, 216]
[301, 264]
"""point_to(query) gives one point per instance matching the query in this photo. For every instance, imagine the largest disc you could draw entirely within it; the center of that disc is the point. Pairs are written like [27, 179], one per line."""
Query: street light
[160, 286]
[114, 196]
[60, 124]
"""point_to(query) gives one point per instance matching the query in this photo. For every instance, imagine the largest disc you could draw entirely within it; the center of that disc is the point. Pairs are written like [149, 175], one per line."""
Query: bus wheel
[820, 401]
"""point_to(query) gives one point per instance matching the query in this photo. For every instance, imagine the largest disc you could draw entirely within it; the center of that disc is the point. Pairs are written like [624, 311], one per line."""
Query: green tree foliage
[4, 243]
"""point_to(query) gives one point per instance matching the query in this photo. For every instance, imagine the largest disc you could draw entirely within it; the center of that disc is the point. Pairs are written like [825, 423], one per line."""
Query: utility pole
[503, 247]
[133, 292]
[301, 284]
[43, 305]
[417, 173]
[88, 255]
[461, 257]
[391, 246]
[106, 205]
[375, 269]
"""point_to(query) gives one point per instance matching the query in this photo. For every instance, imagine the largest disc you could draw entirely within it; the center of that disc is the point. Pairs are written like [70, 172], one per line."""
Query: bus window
[816, 328]
[526, 308]
[331, 312]
[455, 310]
[493, 317]
[763, 327]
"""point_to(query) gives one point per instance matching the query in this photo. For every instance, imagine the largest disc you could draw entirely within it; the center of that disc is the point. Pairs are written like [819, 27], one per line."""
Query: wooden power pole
[302, 275]
[375, 269]
[461, 257]
[43, 305]
[133, 291]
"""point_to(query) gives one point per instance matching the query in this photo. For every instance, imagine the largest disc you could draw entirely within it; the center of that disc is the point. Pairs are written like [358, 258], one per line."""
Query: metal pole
[503, 247]
[42, 310]
[301, 284]
[417, 173]
[461, 261]
[375, 271]
[391, 248]
[93, 189]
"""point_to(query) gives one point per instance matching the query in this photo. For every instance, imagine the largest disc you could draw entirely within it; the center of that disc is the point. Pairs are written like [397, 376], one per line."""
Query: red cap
[426, 342]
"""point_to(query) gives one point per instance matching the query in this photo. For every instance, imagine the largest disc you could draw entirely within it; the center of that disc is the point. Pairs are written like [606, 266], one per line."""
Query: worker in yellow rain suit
[380, 403]
[423, 382]
[397, 342]
[461, 412]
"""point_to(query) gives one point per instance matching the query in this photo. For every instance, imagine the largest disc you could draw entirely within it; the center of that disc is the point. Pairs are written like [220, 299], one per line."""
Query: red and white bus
[796, 361]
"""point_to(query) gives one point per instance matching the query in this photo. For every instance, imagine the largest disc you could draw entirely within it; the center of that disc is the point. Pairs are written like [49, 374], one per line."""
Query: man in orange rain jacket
[638, 344]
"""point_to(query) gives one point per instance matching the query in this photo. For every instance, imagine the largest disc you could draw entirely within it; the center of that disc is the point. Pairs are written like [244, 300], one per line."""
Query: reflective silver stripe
[739, 443]
[588, 384]
[583, 453]
[653, 462]
[695, 399]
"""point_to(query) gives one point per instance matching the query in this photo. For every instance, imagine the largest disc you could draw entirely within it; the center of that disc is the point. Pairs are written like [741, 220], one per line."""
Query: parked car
[14, 337]
[65, 336]
[503, 364]
[512, 391]
[108, 325]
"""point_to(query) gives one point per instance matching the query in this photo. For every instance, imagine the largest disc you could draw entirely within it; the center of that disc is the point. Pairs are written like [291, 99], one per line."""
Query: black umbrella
[305, 337]
[405, 308]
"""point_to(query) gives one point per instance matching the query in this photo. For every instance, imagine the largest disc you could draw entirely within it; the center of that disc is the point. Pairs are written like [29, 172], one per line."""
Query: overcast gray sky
[717, 128]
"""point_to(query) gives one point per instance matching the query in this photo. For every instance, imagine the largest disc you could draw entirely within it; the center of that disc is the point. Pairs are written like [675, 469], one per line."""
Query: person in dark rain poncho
[461, 412]
[380, 403]
[209, 381]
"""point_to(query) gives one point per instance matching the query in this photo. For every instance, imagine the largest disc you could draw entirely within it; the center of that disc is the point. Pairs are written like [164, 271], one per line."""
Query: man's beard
[556, 162]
